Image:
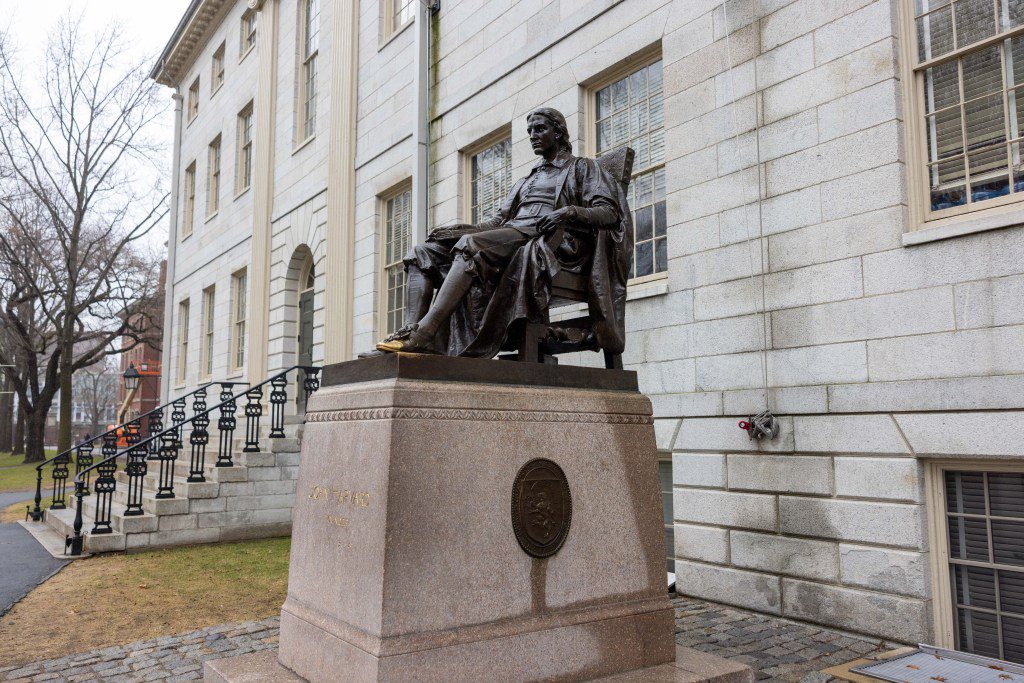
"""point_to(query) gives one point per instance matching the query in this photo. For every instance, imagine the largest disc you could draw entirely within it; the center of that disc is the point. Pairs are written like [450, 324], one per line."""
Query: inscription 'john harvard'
[344, 498]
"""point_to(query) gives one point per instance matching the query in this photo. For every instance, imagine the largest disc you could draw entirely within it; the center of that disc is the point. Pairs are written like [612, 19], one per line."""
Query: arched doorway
[304, 345]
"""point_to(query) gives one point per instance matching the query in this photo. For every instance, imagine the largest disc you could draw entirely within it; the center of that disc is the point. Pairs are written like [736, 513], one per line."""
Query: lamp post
[131, 378]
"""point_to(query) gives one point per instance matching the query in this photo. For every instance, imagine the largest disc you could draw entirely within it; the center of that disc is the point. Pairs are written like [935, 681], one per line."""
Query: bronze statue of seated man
[492, 278]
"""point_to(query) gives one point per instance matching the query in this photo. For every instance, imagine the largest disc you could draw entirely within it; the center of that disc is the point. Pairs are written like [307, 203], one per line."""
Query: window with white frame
[213, 178]
[239, 290]
[183, 311]
[490, 179]
[309, 48]
[217, 69]
[984, 514]
[967, 104]
[394, 16]
[629, 111]
[193, 100]
[401, 13]
[247, 37]
[397, 239]
[243, 175]
[207, 318]
[189, 210]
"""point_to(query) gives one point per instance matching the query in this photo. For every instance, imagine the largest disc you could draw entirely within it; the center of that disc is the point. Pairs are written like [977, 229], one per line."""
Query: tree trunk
[35, 431]
[66, 398]
[6, 415]
[18, 447]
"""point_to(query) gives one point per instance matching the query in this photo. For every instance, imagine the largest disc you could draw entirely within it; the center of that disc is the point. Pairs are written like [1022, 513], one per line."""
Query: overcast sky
[148, 26]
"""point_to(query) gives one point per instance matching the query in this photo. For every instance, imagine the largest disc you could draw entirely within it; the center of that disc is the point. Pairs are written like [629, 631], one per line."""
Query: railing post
[154, 425]
[226, 427]
[77, 541]
[83, 460]
[169, 445]
[278, 400]
[136, 469]
[198, 438]
[253, 412]
[60, 478]
[311, 381]
[37, 514]
[178, 416]
[106, 484]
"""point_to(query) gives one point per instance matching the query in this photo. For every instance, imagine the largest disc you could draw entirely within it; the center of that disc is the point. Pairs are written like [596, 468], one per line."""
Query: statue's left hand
[557, 218]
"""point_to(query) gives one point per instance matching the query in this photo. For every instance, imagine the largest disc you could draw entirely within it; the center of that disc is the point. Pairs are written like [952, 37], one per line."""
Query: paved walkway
[24, 564]
[778, 649]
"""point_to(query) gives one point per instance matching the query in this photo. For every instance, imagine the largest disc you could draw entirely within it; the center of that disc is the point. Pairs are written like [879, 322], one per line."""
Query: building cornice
[188, 37]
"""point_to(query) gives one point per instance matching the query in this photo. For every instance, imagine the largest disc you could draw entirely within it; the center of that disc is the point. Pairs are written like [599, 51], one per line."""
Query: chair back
[619, 164]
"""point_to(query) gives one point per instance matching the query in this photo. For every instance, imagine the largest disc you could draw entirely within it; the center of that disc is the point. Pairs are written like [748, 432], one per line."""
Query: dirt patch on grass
[116, 599]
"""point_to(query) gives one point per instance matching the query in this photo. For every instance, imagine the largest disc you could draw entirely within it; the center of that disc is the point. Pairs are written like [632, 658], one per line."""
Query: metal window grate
[928, 664]
[985, 524]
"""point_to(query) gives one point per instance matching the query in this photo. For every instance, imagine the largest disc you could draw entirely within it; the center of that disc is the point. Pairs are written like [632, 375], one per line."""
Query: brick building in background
[828, 206]
[145, 357]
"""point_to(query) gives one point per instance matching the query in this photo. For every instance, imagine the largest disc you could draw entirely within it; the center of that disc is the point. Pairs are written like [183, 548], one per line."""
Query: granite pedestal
[404, 562]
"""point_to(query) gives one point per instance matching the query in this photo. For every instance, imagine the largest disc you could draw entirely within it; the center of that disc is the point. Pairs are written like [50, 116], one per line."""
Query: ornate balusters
[278, 400]
[169, 445]
[226, 427]
[133, 432]
[178, 416]
[155, 425]
[253, 412]
[104, 489]
[310, 381]
[83, 460]
[136, 469]
[199, 438]
[60, 478]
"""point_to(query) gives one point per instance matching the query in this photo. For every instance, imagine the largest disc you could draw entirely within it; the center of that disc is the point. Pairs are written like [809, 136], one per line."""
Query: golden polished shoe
[405, 340]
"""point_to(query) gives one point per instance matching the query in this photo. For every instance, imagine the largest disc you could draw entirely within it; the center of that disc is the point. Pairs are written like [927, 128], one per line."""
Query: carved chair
[541, 342]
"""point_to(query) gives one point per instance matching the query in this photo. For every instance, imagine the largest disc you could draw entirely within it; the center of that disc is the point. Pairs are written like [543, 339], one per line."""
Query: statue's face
[543, 137]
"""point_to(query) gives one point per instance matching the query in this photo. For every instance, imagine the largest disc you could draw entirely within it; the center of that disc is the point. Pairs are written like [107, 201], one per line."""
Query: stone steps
[252, 499]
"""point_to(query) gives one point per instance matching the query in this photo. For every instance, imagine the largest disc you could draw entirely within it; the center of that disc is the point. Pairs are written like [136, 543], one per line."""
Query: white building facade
[827, 199]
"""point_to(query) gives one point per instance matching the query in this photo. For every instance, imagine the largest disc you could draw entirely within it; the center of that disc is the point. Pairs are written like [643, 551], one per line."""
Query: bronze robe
[491, 316]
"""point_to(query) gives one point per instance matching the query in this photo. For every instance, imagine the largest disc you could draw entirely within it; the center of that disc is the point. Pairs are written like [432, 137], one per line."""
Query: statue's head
[548, 131]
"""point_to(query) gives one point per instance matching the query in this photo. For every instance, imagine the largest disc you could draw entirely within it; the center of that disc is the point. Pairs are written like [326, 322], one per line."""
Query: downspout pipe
[421, 133]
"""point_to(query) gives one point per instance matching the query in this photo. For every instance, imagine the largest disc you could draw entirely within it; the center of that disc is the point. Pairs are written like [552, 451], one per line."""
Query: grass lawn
[16, 512]
[119, 598]
[14, 476]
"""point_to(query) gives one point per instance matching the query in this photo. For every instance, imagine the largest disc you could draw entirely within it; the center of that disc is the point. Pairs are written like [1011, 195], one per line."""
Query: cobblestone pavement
[778, 649]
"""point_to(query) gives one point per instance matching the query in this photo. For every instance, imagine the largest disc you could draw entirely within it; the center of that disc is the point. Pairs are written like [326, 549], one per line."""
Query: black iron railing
[167, 444]
[132, 431]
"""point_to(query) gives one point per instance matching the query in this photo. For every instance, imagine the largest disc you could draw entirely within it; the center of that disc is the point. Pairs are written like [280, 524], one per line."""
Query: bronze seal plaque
[541, 507]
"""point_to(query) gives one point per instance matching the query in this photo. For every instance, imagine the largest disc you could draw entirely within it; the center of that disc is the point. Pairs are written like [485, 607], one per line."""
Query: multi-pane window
[238, 294]
[309, 46]
[188, 220]
[397, 238]
[213, 178]
[217, 69]
[630, 112]
[969, 66]
[193, 99]
[247, 39]
[402, 13]
[490, 179]
[985, 523]
[183, 340]
[243, 177]
[208, 301]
